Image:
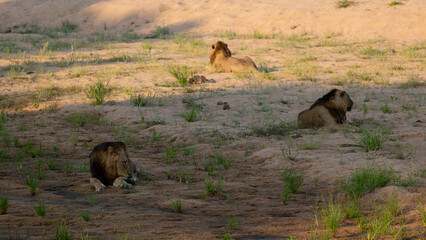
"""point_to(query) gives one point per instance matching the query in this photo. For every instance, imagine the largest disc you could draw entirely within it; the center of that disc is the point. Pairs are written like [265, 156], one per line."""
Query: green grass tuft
[372, 140]
[181, 74]
[176, 205]
[91, 199]
[286, 195]
[40, 210]
[192, 115]
[344, 3]
[97, 92]
[68, 27]
[366, 179]
[161, 32]
[395, 3]
[228, 34]
[293, 178]
[421, 209]
[62, 232]
[85, 215]
[4, 204]
[31, 182]
[258, 35]
[351, 209]
[79, 119]
[331, 214]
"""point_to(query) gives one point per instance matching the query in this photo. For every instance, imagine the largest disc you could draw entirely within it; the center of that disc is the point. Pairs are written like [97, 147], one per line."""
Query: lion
[328, 111]
[110, 165]
[221, 60]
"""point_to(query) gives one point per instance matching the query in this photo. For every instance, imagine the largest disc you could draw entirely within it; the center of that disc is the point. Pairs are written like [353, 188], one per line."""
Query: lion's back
[239, 65]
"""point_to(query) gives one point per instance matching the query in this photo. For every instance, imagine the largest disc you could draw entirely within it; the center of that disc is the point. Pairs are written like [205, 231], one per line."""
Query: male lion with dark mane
[110, 165]
[221, 60]
[328, 111]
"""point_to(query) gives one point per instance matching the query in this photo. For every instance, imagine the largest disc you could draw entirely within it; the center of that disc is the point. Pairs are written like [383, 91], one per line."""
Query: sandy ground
[375, 52]
[363, 20]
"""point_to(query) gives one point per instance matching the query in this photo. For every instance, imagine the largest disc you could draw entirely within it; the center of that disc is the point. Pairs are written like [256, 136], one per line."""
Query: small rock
[220, 103]
[350, 151]
[189, 104]
[296, 135]
[199, 79]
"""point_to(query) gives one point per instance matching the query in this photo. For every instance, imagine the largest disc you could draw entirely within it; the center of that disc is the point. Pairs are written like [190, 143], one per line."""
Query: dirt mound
[404, 195]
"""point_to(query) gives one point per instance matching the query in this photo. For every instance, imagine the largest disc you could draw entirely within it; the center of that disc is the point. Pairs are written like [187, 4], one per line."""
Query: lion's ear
[110, 149]
[342, 94]
[226, 45]
[212, 46]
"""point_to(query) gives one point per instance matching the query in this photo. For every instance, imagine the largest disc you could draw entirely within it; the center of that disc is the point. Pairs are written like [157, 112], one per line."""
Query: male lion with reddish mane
[221, 60]
[328, 111]
[110, 165]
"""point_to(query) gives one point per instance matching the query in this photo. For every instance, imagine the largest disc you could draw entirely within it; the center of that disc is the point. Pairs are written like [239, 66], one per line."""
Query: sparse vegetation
[231, 158]
[91, 198]
[293, 178]
[79, 119]
[176, 205]
[180, 73]
[369, 51]
[31, 182]
[142, 100]
[344, 3]
[258, 35]
[211, 189]
[170, 155]
[372, 140]
[379, 225]
[331, 214]
[413, 80]
[421, 209]
[228, 34]
[311, 144]
[392, 206]
[40, 210]
[192, 115]
[62, 232]
[40, 172]
[404, 151]
[351, 209]
[85, 215]
[386, 109]
[68, 167]
[161, 32]
[394, 3]
[98, 92]
[288, 153]
[282, 128]
[4, 204]
[286, 195]
[366, 179]
[31, 151]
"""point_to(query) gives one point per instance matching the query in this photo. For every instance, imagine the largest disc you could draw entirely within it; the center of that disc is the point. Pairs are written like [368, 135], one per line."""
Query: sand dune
[363, 20]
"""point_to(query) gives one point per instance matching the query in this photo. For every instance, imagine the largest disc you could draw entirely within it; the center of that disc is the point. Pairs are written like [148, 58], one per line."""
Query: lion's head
[109, 161]
[219, 47]
[337, 102]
